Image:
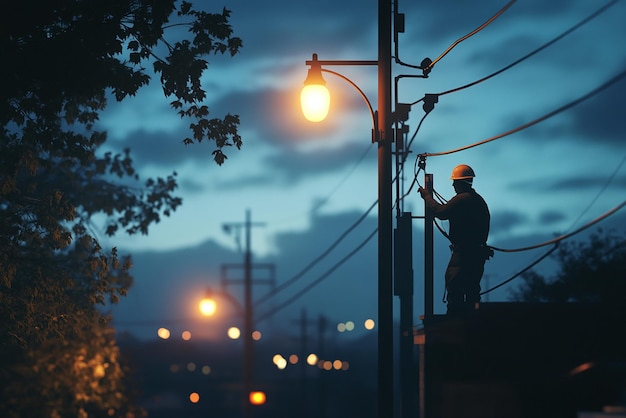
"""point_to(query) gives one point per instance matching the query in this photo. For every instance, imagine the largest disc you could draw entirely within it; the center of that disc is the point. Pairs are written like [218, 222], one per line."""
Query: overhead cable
[345, 177]
[317, 281]
[564, 236]
[530, 54]
[606, 184]
[556, 244]
[524, 270]
[536, 121]
[296, 277]
[475, 31]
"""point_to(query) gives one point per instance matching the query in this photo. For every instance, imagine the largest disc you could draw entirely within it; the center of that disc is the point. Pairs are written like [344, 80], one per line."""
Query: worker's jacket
[469, 219]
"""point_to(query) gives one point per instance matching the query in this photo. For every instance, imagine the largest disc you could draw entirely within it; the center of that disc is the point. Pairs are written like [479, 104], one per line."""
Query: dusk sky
[308, 183]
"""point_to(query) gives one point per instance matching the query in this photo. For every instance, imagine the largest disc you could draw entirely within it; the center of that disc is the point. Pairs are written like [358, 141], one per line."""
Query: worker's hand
[423, 192]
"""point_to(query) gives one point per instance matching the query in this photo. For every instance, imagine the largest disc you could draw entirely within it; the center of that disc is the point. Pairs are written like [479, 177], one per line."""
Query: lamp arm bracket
[339, 62]
[375, 131]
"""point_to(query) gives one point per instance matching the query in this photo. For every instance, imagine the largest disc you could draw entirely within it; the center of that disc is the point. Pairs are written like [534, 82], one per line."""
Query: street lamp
[383, 136]
[208, 305]
[315, 97]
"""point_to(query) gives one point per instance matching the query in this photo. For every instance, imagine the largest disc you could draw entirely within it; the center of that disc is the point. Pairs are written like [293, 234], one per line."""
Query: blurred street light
[208, 307]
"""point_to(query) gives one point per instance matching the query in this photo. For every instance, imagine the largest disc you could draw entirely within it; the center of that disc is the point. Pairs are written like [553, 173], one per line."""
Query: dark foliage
[592, 271]
[61, 60]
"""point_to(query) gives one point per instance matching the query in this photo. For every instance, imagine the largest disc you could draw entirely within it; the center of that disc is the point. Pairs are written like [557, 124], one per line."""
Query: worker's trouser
[463, 275]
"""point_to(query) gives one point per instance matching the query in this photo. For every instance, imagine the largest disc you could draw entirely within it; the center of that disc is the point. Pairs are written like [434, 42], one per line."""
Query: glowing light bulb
[315, 102]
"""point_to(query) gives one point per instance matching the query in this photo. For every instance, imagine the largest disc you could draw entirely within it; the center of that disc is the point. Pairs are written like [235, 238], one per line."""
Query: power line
[606, 184]
[564, 236]
[317, 281]
[345, 178]
[556, 243]
[536, 121]
[524, 270]
[325, 199]
[475, 31]
[530, 54]
[296, 277]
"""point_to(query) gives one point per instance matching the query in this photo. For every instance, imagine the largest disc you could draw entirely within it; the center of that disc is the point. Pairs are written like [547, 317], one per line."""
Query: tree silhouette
[62, 59]
[592, 271]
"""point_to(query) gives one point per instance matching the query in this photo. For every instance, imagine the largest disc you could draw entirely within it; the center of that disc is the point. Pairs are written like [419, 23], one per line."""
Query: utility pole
[303, 323]
[425, 397]
[403, 288]
[385, 218]
[428, 253]
[322, 324]
[248, 353]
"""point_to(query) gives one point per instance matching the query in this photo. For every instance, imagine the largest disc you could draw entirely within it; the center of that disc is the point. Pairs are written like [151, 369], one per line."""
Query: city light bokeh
[163, 333]
[233, 333]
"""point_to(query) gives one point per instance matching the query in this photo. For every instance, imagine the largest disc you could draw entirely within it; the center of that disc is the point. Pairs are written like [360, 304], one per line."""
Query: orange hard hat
[462, 172]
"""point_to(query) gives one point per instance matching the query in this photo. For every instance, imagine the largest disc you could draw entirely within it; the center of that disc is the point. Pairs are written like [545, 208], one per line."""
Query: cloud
[296, 165]
[576, 183]
[505, 221]
[551, 217]
[298, 26]
[162, 149]
[601, 119]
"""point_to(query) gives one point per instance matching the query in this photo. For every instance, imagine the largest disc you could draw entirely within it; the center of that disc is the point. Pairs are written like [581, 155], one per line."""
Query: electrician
[469, 218]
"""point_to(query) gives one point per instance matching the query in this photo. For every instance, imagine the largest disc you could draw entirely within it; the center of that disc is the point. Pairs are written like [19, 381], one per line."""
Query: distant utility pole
[248, 355]
[303, 322]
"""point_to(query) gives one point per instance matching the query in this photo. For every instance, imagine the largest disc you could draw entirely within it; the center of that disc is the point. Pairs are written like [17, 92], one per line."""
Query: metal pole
[385, 241]
[247, 349]
[428, 252]
[403, 285]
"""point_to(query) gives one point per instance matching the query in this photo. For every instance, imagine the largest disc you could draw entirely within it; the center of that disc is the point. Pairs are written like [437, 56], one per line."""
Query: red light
[257, 398]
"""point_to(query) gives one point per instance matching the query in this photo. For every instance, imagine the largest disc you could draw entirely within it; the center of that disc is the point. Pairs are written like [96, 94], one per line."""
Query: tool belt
[482, 250]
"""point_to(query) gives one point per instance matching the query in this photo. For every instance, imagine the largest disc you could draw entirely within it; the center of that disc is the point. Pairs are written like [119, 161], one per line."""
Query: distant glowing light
[279, 361]
[581, 368]
[369, 324]
[341, 327]
[233, 333]
[257, 397]
[337, 364]
[186, 335]
[293, 359]
[256, 335]
[327, 365]
[163, 333]
[349, 326]
[191, 366]
[194, 397]
[207, 307]
[206, 370]
[311, 359]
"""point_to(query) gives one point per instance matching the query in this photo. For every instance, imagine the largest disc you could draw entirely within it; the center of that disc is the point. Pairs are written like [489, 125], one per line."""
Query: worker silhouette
[469, 219]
